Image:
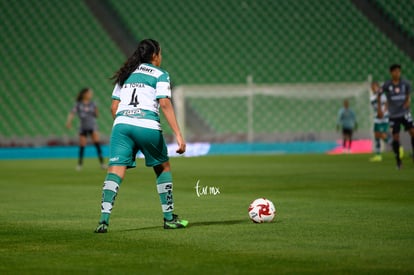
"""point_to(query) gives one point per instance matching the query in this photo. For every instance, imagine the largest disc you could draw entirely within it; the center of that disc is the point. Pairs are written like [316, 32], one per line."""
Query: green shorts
[381, 127]
[127, 140]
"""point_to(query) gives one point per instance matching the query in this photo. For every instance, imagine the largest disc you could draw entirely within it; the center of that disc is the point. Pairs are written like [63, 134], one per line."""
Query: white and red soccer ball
[262, 210]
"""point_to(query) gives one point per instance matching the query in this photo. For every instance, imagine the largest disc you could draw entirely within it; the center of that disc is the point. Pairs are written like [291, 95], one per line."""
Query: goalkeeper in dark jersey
[398, 91]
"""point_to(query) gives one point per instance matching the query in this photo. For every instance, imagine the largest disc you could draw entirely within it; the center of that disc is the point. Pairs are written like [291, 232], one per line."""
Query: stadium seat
[52, 49]
[401, 14]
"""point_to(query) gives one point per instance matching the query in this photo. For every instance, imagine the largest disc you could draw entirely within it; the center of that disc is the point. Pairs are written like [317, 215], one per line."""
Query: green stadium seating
[213, 42]
[49, 51]
[400, 12]
[216, 41]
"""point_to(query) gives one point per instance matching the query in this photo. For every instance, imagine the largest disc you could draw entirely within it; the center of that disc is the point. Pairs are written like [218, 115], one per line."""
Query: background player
[347, 122]
[380, 124]
[87, 112]
[398, 91]
[141, 87]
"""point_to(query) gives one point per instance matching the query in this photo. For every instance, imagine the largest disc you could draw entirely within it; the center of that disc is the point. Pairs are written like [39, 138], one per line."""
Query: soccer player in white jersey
[141, 87]
[380, 124]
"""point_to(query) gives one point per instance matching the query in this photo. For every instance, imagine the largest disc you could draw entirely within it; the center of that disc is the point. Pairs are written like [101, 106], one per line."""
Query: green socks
[110, 190]
[377, 146]
[165, 188]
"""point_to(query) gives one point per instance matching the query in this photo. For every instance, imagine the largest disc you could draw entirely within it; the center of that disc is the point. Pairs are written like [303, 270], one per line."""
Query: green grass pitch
[336, 214]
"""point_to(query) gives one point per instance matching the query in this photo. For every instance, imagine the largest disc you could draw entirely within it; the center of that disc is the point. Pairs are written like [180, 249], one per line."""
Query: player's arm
[168, 110]
[380, 113]
[69, 119]
[114, 107]
[116, 98]
[96, 112]
[339, 120]
[407, 98]
[355, 121]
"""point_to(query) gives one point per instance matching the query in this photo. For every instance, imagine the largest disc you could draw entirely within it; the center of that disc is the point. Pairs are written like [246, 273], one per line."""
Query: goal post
[269, 113]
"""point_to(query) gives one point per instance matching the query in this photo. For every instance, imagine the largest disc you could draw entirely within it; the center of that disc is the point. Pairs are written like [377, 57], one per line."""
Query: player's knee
[117, 170]
[164, 167]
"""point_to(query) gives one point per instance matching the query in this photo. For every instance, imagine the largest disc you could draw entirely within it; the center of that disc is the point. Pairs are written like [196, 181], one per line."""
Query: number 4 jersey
[139, 96]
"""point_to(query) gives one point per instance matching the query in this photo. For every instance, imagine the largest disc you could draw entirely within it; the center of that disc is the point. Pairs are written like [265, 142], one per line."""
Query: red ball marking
[264, 210]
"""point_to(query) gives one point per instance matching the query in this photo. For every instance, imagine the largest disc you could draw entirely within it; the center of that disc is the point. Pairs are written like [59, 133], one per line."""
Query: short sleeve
[116, 94]
[163, 88]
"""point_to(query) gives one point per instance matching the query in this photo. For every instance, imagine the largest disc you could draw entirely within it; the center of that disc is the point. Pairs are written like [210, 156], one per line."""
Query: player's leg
[110, 189]
[378, 137]
[82, 144]
[96, 142]
[350, 139]
[385, 132]
[122, 156]
[152, 144]
[409, 126]
[396, 127]
[165, 191]
[377, 149]
[344, 138]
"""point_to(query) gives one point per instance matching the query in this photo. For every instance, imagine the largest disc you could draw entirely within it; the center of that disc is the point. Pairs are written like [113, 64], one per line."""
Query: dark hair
[395, 66]
[81, 94]
[143, 54]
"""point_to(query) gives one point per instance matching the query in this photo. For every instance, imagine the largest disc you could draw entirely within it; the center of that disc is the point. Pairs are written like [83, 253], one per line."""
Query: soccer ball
[262, 210]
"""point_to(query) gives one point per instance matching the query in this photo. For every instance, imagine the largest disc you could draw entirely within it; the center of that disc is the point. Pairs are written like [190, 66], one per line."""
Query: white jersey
[374, 104]
[139, 96]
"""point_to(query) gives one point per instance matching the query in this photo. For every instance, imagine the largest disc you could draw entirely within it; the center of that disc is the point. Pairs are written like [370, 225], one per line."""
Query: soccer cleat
[401, 152]
[102, 228]
[376, 158]
[175, 223]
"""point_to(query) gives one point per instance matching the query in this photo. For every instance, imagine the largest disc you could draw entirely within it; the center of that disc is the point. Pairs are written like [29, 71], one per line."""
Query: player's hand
[380, 114]
[181, 145]
[406, 105]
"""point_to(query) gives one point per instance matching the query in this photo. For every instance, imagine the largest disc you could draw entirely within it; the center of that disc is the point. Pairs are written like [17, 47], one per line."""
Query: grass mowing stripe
[336, 214]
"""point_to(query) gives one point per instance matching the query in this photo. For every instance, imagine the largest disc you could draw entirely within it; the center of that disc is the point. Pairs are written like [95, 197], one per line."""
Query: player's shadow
[194, 224]
[205, 223]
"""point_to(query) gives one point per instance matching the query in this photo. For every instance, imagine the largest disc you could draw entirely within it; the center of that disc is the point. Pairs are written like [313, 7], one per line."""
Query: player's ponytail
[143, 54]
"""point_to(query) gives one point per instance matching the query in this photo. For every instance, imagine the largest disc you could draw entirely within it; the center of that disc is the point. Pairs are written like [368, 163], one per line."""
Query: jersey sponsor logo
[131, 112]
[397, 97]
[145, 69]
[397, 90]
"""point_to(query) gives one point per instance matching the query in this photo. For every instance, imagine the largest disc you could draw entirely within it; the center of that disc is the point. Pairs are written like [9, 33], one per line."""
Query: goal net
[269, 113]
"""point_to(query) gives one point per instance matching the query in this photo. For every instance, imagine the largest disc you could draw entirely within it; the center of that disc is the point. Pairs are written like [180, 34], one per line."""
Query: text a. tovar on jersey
[139, 96]
[374, 104]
